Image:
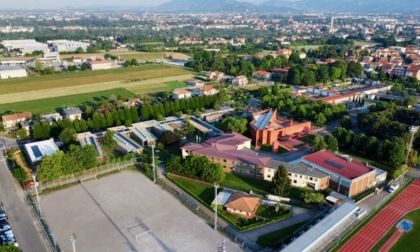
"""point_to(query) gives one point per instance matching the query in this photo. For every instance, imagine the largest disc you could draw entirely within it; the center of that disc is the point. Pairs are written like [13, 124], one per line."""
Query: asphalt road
[26, 230]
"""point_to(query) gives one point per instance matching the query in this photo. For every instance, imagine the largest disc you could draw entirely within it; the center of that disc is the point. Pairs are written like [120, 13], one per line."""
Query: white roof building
[24, 46]
[89, 138]
[64, 45]
[16, 71]
[127, 145]
[143, 136]
[38, 150]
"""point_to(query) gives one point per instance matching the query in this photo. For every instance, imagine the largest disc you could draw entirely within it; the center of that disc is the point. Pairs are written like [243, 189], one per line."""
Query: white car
[7, 234]
[4, 227]
[394, 187]
[3, 215]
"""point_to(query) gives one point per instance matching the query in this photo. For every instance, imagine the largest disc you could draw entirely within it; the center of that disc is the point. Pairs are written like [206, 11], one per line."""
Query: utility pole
[37, 196]
[73, 241]
[216, 186]
[153, 163]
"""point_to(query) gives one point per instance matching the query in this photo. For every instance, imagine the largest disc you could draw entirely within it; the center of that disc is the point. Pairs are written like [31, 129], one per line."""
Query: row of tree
[75, 160]
[196, 166]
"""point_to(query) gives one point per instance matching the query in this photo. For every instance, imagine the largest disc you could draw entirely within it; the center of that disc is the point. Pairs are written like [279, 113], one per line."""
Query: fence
[335, 242]
[195, 208]
[45, 228]
[77, 177]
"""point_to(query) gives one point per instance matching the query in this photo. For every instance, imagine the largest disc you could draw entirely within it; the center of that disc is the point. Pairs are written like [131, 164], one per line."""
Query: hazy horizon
[49, 4]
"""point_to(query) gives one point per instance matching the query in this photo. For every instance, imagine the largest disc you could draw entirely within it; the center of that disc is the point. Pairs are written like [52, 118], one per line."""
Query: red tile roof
[261, 72]
[16, 116]
[348, 168]
[243, 203]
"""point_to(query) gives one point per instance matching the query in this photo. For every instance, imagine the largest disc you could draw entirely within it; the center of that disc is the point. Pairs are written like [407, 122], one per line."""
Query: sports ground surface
[106, 215]
[406, 202]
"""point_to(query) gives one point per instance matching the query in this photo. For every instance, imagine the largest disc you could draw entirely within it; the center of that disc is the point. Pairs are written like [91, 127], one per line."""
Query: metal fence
[86, 174]
[45, 228]
[404, 180]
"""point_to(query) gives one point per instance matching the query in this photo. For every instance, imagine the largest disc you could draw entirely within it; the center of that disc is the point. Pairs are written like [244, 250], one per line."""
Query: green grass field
[176, 84]
[53, 104]
[307, 47]
[361, 42]
[246, 184]
[203, 191]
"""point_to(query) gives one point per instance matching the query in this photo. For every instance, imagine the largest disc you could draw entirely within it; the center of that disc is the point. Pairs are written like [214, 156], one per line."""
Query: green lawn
[176, 84]
[409, 241]
[53, 104]
[307, 47]
[273, 239]
[246, 184]
[202, 191]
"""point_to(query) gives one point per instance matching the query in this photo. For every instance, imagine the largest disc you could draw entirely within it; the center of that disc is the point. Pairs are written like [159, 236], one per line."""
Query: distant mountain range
[283, 6]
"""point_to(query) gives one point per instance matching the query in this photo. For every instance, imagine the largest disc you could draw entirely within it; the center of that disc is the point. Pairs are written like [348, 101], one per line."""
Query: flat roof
[12, 68]
[89, 138]
[22, 42]
[126, 143]
[308, 240]
[38, 150]
[143, 134]
[299, 168]
[344, 166]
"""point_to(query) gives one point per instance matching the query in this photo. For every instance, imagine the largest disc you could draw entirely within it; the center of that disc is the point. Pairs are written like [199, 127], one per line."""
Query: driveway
[370, 203]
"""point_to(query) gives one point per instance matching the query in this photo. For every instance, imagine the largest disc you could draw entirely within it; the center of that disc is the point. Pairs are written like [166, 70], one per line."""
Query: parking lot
[126, 212]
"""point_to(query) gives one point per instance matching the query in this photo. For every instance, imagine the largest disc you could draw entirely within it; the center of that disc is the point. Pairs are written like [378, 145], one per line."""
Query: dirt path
[88, 88]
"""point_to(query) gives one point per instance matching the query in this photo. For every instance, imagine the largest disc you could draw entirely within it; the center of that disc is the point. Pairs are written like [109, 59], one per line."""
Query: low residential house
[196, 83]
[284, 52]
[215, 75]
[207, 90]
[50, 57]
[302, 55]
[280, 73]
[134, 102]
[243, 205]
[181, 94]
[99, 65]
[72, 113]
[77, 60]
[53, 117]
[240, 80]
[262, 75]
[11, 121]
[413, 71]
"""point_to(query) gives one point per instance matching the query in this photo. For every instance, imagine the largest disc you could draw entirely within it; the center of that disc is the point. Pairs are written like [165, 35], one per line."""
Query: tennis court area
[126, 212]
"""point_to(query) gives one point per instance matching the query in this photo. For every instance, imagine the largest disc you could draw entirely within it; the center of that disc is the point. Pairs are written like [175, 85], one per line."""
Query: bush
[266, 147]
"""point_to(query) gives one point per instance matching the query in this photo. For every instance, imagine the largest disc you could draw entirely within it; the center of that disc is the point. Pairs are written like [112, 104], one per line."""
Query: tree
[50, 167]
[318, 144]
[134, 114]
[38, 66]
[313, 197]
[231, 124]
[144, 111]
[346, 122]
[332, 143]
[396, 154]
[109, 138]
[109, 119]
[68, 135]
[174, 164]
[37, 131]
[280, 185]
[9, 248]
[169, 138]
[320, 119]
[20, 175]
[96, 121]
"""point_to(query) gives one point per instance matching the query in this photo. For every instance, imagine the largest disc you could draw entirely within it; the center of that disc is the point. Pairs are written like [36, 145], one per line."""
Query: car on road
[3, 215]
[4, 226]
[8, 234]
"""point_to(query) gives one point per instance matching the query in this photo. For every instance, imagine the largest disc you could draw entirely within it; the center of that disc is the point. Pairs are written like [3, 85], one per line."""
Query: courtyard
[126, 212]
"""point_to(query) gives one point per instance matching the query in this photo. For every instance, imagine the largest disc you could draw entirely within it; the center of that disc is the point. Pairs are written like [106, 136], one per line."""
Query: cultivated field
[128, 55]
[107, 215]
[50, 105]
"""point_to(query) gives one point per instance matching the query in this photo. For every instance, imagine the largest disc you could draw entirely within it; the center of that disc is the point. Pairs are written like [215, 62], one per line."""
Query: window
[289, 174]
[316, 179]
[306, 177]
[300, 176]
[294, 181]
[224, 160]
[310, 178]
[295, 175]
[268, 176]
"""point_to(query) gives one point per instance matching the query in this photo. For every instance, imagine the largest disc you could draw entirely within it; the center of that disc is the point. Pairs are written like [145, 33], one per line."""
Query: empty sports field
[108, 214]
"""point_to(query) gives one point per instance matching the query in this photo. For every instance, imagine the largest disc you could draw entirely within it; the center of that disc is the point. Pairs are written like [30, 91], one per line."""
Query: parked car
[4, 226]
[394, 187]
[7, 234]
[3, 215]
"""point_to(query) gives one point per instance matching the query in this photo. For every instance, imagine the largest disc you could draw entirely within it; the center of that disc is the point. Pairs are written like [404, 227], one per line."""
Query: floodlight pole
[73, 241]
[37, 196]
[413, 130]
[216, 186]
[153, 163]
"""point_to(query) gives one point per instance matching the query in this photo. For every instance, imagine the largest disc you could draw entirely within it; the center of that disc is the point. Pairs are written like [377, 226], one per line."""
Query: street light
[216, 186]
[153, 163]
[37, 196]
[73, 241]
[413, 130]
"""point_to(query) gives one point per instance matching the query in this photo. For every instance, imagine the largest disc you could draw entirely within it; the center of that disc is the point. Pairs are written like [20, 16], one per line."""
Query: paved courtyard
[107, 214]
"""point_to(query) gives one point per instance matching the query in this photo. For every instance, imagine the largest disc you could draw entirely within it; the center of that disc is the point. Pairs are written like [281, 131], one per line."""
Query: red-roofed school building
[346, 175]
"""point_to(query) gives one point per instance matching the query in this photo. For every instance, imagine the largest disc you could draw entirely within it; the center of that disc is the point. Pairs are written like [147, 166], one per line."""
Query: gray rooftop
[72, 111]
[308, 240]
[143, 134]
[11, 68]
[299, 168]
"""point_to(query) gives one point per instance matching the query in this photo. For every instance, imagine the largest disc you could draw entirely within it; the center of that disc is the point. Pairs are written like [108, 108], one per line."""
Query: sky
[46, 4]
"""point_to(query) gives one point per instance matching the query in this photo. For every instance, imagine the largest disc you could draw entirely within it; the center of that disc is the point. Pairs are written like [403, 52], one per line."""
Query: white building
[143, 136]
[89, 138]
[67, 45]
[72, 113]
[100, 65]
[181, 94]
[36, 151]
[24, 46]
[240, 81]
[16, 71]
[127, 145]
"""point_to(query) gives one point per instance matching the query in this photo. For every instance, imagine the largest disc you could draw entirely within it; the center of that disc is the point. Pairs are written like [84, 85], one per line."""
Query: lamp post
[216, 186]
[413, 130]
[37, 196]
[73, 241]
[153, 163]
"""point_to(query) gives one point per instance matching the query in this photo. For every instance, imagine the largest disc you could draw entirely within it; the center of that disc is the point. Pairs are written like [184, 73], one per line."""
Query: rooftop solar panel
[37, 152]
[334, 164]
